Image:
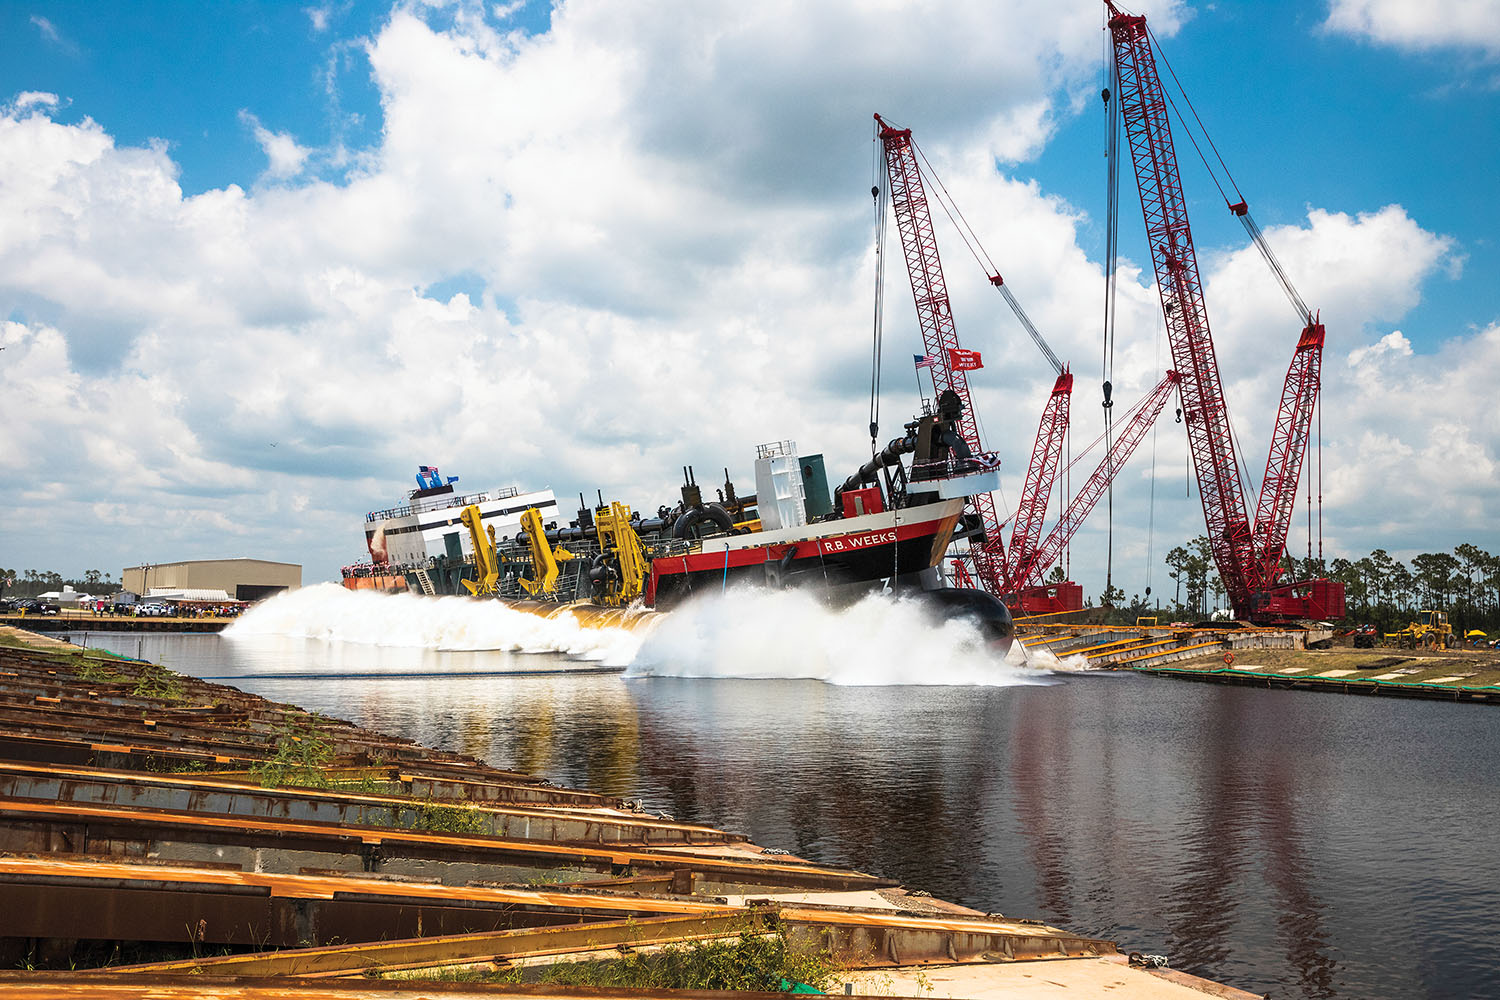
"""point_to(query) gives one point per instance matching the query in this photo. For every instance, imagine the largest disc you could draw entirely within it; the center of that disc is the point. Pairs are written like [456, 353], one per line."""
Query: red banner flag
[964, 361]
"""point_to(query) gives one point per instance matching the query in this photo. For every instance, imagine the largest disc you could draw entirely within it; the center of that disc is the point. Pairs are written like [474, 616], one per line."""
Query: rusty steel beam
[102, 986]
[244, 919]
[50, 749]
[855, 940]
[499, 947]
[605, 896]
[871, 939]
[29, 825]
[188, 793]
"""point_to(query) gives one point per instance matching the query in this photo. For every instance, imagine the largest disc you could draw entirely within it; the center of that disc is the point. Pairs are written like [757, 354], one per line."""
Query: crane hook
[1108, 402]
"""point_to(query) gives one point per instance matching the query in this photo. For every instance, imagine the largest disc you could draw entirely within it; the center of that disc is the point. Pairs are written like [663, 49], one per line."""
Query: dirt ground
[1470, 668]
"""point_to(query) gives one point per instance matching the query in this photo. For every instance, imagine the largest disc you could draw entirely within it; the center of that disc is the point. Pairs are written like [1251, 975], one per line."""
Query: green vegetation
[30, 583]
[760, 962]
[303, 754]
[1378, 589]
[366, 784]
[441, 818]
[97, 672]
[156, 681]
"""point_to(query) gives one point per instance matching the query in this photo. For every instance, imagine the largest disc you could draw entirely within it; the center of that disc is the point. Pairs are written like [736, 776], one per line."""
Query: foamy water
[789, 634]
[747, 633]
[329, 612]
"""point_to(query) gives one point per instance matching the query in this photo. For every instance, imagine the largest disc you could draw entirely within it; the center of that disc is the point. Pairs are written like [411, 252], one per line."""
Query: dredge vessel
[888, 526]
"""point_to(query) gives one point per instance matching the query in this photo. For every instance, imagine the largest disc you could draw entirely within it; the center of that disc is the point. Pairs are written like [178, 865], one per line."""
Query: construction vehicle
[1433, 632]
[618, 573]
[486, 563]
[544, 558]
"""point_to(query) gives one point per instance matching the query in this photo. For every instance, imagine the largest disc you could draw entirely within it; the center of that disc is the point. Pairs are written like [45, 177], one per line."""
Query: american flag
[924, 360]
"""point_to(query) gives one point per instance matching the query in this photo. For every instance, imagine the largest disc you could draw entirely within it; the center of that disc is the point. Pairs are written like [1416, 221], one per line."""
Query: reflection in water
[1299, 918]
[1306, 846]
[1041, 774]
[1209, 885]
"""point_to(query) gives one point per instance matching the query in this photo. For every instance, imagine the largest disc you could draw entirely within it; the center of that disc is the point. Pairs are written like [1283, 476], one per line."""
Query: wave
[332, 613]
[789, 634]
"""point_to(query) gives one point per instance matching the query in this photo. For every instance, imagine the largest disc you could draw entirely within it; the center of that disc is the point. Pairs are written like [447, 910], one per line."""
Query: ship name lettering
[860, 541]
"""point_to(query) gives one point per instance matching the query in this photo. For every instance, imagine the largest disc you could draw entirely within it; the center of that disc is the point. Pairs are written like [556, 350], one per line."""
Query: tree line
[1378, 589]
[31, 583]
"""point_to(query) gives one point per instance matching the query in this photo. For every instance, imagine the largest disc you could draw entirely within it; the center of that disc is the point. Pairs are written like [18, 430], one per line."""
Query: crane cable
[1112, 244]
[880, 195]
[982, 257]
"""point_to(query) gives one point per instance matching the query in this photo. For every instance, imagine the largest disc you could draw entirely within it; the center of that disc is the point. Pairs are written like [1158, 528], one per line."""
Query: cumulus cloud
[659, 219]
[286, 157]
[1459, 24]
[28, 99]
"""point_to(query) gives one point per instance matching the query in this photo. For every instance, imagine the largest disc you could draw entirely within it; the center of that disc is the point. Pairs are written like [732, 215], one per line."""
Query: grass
[762, 962]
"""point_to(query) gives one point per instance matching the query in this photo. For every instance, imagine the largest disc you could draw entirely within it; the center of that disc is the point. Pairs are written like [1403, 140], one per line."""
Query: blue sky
[623, 197]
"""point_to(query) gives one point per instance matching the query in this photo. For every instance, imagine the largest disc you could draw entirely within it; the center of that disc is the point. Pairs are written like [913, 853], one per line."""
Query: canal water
[1285, 842]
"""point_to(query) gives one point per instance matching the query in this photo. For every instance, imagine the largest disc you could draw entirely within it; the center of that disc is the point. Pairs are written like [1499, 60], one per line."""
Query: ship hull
[844, 558]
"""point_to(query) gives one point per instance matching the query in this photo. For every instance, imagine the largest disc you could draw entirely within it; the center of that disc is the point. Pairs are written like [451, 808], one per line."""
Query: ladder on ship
[424, 582]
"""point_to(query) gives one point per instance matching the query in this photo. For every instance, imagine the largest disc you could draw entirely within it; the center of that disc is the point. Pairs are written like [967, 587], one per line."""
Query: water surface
[1285, 842]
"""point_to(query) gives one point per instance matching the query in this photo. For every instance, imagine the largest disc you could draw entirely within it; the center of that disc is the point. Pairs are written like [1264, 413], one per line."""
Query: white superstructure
[428, 524]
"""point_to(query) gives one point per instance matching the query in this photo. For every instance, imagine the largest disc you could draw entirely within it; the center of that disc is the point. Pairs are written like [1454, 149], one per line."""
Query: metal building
[242, 579]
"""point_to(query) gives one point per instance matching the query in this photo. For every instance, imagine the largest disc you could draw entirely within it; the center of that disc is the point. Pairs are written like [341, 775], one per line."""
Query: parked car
[32, 606]
[152, 609]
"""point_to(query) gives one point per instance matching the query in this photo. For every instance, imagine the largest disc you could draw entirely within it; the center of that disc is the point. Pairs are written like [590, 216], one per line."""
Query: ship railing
[438, 503]
[952, 466]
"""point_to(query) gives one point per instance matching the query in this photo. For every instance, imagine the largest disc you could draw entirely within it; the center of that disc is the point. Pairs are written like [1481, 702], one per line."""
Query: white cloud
[660, 217]
[1460, 24]
[281, 149]
[319, 16]
[1393, 344]
[26, 100]
[52, 35]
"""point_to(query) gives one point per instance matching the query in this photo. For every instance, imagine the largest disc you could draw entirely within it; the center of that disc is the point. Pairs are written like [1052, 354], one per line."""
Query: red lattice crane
[935, 317]
[1248, 556]
[1014, 575]
[1041, 473]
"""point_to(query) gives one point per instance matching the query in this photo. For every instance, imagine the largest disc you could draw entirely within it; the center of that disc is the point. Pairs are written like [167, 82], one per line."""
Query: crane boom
[1040, 475]
[1278, 491]
[935, 316]
[1137, 424]
[1143, 111]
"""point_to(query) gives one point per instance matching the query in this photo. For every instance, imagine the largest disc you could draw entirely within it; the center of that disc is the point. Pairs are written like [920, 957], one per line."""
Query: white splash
[329, 612]
[789, 634]
[1045, 659]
